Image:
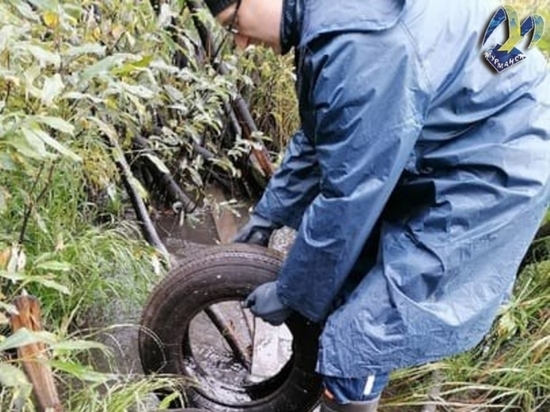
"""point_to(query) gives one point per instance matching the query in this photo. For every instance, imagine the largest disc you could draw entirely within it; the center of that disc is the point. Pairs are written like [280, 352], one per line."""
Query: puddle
[267, 348]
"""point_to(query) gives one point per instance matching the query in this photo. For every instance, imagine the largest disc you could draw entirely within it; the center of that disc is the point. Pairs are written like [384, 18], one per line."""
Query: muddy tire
[217, 274]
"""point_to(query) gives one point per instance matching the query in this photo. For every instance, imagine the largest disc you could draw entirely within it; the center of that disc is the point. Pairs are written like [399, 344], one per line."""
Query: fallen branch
[34, 356]
[165, 179]
[148, 229]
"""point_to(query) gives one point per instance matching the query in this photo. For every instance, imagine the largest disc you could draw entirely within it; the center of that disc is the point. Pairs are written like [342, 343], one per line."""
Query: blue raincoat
[416, 182]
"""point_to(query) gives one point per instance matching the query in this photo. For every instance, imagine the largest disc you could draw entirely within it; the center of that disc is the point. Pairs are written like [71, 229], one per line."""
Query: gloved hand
[265, 303]
[257, 231]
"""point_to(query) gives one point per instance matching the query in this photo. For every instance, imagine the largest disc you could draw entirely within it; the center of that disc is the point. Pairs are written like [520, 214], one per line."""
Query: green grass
[509, 371]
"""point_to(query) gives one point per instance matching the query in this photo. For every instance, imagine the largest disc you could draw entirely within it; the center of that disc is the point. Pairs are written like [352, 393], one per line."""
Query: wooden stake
[34, 356]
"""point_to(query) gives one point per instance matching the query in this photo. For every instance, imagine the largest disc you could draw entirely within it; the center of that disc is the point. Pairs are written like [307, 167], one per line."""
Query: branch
[32, 204]
[166, 179]
[148, 229]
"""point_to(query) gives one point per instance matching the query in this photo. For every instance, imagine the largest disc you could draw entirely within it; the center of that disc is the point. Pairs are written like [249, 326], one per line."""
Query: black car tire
[213, 275]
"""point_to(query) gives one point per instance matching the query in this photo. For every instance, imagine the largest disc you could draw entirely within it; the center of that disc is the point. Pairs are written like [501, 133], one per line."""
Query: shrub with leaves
[77, 81]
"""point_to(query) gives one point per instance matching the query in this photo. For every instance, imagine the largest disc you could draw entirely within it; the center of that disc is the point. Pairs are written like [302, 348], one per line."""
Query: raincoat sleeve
[367, 104]
[293, 186]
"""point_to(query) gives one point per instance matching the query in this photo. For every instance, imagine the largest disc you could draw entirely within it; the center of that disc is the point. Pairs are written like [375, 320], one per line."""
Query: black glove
[265, 303]
[257, 231]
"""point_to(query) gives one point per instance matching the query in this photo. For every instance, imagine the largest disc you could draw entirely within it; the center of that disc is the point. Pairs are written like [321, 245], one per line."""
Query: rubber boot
[328, 405]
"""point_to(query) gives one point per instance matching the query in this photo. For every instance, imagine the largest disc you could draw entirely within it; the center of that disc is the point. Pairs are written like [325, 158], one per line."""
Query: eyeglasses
[231, 26]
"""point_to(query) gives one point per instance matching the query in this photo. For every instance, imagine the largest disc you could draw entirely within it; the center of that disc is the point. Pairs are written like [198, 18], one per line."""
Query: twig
[148, 229]
[435, 391]
[32, 204]
[230, 337]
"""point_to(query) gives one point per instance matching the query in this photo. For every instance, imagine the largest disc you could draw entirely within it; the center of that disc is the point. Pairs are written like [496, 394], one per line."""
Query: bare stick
[434, 392]
[230, 337]
[148, 229]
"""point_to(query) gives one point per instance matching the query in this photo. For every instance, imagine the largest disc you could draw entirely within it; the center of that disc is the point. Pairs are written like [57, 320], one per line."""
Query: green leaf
[82, 372]
[174, 94]
[82, 96]
[131, 67]
[7, 33]
[12, 377]
[53, 87]
[6, 162]
[2, 200]
[44, 57]
[158, 163]
[23, 337]
[145, 61]
[56, 123]
[105, 128]
[141, 111]
[35, 145]
[142, 191]
[137, 90]
[25, 10]
[101, 67]
[90, 48]
[195, 177]
[51, 284]
[37, 133]
[54, 266]
[14, 277]
[29, 76]
[40, 222]
[167, 401]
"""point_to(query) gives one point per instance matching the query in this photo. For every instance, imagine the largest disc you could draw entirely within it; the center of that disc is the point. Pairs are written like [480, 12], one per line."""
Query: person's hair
[217, 6]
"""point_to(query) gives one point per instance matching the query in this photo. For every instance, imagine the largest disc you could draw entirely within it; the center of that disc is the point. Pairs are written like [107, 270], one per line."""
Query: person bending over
[416, 182]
